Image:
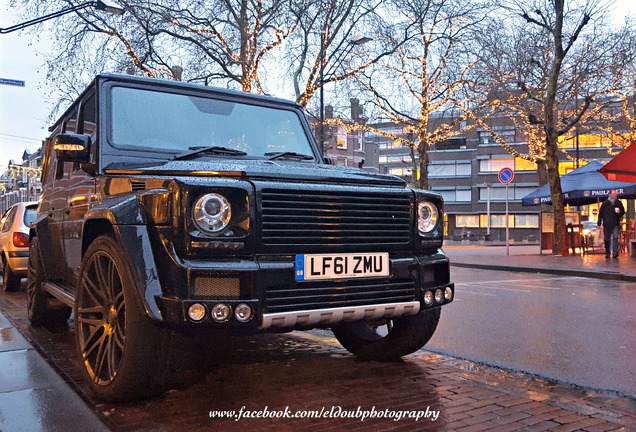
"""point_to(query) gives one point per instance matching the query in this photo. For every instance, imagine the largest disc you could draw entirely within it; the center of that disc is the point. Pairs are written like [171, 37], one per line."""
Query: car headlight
[212, 213]
[427, 216]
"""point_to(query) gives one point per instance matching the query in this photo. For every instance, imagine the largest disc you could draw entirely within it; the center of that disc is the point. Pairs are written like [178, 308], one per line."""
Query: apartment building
[348, 148]
[465, 171]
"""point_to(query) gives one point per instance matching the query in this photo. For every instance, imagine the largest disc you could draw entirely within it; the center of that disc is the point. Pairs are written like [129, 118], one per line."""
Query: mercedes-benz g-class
[173, 208]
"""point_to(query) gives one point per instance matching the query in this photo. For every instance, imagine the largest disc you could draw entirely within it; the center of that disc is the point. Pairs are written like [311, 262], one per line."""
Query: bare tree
[556, 75]
[421, 85]
[220, 41]
[325, 47]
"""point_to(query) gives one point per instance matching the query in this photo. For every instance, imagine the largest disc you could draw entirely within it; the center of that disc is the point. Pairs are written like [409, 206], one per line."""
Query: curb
[558, 271]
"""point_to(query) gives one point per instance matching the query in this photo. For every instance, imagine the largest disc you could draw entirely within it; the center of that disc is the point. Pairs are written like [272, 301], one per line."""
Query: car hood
[287, 170]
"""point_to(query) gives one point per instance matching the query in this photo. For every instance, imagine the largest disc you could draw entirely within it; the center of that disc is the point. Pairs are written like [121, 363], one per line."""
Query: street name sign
[11, 82]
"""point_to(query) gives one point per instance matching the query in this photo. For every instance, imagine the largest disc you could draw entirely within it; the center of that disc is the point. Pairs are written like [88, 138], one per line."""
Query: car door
[81, 195]
[51, 213]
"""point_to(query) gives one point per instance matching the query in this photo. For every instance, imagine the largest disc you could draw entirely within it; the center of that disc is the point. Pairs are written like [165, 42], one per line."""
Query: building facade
[465, 171]
[348, 148]
[21, 182]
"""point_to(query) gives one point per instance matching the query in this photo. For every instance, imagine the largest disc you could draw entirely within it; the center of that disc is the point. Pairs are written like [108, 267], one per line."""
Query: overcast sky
[24, 110]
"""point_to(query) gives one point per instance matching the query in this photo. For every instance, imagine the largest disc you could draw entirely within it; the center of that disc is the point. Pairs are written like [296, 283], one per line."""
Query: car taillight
[20, 239]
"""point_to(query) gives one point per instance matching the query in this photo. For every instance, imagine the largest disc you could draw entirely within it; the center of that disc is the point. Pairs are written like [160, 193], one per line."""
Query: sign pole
[507, 225]
[506, 176]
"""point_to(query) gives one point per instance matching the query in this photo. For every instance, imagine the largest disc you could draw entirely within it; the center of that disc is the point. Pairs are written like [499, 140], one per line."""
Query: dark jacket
[607, 214]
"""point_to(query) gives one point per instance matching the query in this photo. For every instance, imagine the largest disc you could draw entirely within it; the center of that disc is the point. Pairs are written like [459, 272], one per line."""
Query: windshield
[175, 123]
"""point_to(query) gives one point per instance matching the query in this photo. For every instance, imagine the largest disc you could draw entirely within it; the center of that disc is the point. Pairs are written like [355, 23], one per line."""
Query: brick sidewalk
[310, 371]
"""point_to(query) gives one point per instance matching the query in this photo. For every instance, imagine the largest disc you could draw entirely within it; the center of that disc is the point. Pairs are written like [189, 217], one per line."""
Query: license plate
[338, 266]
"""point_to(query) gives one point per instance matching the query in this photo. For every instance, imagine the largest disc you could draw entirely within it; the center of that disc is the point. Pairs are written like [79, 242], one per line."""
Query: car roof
[165, 83]
[25, 204]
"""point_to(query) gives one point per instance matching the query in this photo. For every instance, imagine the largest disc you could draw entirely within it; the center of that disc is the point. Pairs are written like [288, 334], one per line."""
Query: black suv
[171, 208]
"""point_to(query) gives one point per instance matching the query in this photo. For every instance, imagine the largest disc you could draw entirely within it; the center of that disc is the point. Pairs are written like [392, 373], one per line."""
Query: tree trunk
[559, 242]
[422, 150]
[542, 172]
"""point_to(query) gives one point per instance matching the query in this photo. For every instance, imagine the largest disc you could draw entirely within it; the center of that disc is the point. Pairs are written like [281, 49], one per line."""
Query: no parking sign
[506, 175]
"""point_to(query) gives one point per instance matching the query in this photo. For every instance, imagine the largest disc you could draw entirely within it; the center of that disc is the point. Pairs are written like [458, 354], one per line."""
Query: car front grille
[335, 218]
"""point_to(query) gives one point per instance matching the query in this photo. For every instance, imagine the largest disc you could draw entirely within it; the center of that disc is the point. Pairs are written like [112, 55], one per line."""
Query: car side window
[87, 123]
[3, 220]
[88, 116]
[8, 220]
[69, 126]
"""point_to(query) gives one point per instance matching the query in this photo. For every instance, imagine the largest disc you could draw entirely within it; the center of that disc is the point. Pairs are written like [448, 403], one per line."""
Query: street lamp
[103, 5]
[353, 42]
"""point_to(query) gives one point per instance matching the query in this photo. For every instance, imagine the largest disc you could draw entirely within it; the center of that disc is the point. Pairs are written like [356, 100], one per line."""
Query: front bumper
[268, 286]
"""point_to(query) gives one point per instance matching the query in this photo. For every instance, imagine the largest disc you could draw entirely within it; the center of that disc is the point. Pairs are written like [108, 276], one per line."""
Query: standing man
[610, 216]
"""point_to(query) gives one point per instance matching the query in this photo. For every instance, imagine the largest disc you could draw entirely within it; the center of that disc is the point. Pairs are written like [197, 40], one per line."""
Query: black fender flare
[40, 229]
[124, 218]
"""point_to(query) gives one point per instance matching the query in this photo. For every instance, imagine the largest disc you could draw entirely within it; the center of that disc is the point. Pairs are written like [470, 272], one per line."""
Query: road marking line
[477, 293]
[477, 285]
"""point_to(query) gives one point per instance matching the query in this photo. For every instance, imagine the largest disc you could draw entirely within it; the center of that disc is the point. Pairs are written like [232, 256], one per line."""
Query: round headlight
[448, 293]
[212, 213]
[428, 298]
[439, 296]
[221, 312]
[427, 216]
[243, 312]
[196, 312]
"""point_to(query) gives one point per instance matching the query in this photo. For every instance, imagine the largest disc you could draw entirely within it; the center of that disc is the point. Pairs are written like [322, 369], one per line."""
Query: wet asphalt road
[574, 330]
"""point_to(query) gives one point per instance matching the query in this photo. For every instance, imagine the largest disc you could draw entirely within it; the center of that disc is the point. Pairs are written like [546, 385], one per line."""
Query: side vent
[137, 185]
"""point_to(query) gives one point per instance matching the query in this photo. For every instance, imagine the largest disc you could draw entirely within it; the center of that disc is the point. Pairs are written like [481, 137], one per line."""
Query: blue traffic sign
[506, 175]
[11, 82]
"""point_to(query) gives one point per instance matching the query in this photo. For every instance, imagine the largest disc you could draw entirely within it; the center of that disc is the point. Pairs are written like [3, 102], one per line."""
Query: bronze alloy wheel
[100, 318]
[124, 353]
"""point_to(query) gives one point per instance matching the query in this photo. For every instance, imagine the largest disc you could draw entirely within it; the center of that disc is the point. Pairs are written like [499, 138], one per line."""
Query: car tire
[388, 339]
[42, 308]
[123, 353]
[10, 282]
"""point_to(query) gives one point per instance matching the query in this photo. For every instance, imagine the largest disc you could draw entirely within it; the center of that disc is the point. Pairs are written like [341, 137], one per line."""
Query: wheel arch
[40, 229]
[94, 228]
[124, 220]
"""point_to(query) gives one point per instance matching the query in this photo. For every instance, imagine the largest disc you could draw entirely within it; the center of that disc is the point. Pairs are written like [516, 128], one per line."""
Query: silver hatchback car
[14, 243]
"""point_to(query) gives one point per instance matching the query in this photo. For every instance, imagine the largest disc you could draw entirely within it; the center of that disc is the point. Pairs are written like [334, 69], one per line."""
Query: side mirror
[328, 160]
[72, 147]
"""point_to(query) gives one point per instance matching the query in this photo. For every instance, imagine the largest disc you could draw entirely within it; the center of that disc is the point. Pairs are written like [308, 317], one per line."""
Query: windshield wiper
[218, 150]
[288, 155]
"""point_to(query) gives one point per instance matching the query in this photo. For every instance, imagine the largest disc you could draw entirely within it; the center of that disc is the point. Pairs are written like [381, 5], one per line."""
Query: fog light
[448, 293]
[221, 312]
[428, 298]
[439, 296]
[243, 312]
[196, 312]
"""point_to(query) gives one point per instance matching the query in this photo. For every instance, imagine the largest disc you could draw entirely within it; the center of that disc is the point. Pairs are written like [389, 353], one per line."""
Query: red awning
[623, 166]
